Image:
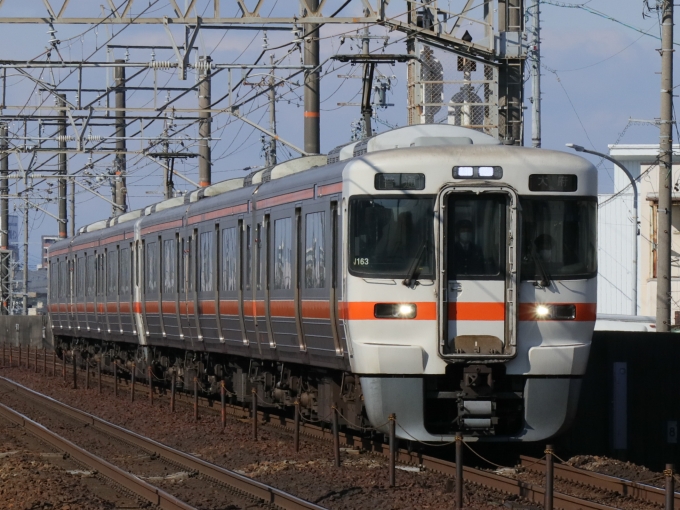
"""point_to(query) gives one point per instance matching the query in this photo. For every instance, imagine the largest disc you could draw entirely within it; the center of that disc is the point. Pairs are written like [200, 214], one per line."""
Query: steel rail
[139, 487]
[530, 492]
[621, 486]
[265, 493]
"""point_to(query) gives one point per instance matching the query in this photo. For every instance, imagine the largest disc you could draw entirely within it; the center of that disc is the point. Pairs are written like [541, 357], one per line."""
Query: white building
[627, 263]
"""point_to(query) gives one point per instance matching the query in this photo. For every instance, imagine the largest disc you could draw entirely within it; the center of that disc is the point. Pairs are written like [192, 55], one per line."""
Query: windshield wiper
[545, 277]
[413, 268]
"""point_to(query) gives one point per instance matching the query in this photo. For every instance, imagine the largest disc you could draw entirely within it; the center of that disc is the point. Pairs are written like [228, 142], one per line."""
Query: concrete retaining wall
[33, 330]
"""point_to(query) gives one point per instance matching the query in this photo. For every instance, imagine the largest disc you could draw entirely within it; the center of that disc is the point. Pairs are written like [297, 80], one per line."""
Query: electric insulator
[162, 64]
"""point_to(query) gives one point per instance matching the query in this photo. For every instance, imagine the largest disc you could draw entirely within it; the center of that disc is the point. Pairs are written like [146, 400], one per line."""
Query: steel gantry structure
[464, 65]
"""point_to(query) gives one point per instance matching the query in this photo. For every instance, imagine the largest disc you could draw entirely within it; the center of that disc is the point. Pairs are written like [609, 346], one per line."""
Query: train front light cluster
[555, 312]
[395, 311]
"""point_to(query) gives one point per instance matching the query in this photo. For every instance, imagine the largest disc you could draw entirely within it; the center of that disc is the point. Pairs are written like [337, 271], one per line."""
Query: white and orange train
[428, 272]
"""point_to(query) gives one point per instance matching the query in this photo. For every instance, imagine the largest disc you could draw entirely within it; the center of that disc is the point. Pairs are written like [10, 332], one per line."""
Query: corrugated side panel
[615, 239]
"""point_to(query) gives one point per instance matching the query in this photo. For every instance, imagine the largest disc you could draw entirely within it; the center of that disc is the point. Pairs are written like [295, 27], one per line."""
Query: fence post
[336, 435]
[36, 360]
[63, 365]
[45, 361]
[459, 471]
[392, 424]
[223, 403]
[10, 356]
[75, 373]
[28, 357]
[297, 426]
[54, 363]
[150, 371]
[172, 391]
[87, 374]
[253, 392]
[132, 380]
[19, 365]
[549, 478]
[99, 375]
[3, 354]
[115, 378]
[195, 398]
[670, 487]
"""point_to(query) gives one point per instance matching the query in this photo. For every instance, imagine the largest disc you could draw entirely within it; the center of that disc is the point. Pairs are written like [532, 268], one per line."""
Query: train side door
[479, 285]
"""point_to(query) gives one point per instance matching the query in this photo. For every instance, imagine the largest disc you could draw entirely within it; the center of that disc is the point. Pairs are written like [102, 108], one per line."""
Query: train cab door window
[315, 253]
[125, 276]
[283, 253]
[151, 269]
[229, 259]
[169, 265]
[207, 261]
[477, 245]
[91, 276]
[112, 272]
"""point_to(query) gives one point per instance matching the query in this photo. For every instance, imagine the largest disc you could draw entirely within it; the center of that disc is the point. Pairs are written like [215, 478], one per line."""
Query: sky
[600, 69]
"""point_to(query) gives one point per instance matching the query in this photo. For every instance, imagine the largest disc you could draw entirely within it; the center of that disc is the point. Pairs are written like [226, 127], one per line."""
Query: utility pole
[25, 271]
[311, 58]
[511, 80]
[6, 259]
[121, 163]
[61, 194]
[367, 111]
[536, 76]
[272, 115]
[664, 223]
[204, 126]
[167, 172]
[72, 223]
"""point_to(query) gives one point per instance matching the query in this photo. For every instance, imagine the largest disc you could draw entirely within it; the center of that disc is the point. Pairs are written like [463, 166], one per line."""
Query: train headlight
[556, 312]
[395, 311]
[542, 312]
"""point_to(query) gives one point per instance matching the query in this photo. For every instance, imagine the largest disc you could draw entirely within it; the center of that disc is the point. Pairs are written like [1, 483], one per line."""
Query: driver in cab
[468, 258]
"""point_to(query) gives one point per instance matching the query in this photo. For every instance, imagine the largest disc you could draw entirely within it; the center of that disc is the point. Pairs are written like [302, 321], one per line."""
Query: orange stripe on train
[363, 311]
[461, 311]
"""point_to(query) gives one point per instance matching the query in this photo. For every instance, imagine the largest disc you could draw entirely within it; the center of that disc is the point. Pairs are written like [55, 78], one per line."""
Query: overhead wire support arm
[274, 136]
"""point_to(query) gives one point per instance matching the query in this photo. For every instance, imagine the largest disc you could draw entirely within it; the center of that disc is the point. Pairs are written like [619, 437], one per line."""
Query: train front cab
[504, 280]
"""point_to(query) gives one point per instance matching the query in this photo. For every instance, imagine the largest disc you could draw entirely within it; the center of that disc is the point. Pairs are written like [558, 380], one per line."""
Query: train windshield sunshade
[553, 182]
[400, 181]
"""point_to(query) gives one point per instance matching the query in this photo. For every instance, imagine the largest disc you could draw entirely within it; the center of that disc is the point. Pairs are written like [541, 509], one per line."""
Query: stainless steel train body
[427, 272]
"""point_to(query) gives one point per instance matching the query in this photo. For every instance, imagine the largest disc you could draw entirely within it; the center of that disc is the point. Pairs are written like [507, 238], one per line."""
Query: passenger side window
[151, 269]
[112, 271]
[315, 254]
[283, 253]
[125, 275]
[207, 240]
[91, 276]
[80, 277]
[229, 259]
[169, 265]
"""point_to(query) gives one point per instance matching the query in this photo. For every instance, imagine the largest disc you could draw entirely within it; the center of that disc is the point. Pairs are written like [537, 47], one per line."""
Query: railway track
[129, 482]
[533, 493]
[636, 490]
[260, 492]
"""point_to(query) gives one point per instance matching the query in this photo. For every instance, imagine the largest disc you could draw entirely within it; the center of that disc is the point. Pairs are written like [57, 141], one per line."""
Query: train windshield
[392, 237]
[559, 238]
